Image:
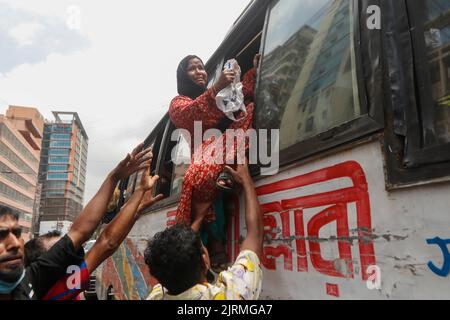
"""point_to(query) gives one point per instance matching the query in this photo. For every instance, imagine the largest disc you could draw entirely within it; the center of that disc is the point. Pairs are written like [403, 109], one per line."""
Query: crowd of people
[55, 266]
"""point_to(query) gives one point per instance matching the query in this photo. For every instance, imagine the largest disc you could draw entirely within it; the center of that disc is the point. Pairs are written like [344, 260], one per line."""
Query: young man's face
[11, 249]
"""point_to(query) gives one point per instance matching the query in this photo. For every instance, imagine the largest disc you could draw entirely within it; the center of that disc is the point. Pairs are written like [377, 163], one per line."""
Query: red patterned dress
[200, 180]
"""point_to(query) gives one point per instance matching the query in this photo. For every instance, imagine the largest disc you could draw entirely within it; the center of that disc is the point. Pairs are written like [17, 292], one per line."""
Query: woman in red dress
[196, 102]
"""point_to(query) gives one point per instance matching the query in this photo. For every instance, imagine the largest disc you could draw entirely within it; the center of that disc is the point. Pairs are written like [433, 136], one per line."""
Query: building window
[14, 159]
[60, 136]
[12, 139]
[60, 144]
[14, 177]
[12, 194]
[58, 176]
[59, 152]
[57, 168]
[58, 160]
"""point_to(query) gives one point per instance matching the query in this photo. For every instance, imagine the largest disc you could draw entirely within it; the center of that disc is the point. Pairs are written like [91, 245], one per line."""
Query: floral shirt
[240, 282]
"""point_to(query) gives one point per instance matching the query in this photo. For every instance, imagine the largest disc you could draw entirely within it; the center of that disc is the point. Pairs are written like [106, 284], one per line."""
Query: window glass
[60, 144]
[57, 168]
[17, 144]
[59, 152]
[14, 195]
[308, 80]
[58, 160]
[58, 176]
[436, 25]
[182, 156]
[60, 136]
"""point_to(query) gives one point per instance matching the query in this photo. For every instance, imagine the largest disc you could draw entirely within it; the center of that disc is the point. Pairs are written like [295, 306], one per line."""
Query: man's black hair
[35, 247]
[174, 257]
[7, 211]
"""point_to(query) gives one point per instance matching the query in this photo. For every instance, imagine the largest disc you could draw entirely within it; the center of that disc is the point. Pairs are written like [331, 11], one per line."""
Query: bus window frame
[371, 119]
[157, 138]
[402, 104]
[417, 154]
[165, 141]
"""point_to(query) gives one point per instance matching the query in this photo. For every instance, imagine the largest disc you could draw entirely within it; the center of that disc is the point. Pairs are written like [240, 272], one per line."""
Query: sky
[113, 62]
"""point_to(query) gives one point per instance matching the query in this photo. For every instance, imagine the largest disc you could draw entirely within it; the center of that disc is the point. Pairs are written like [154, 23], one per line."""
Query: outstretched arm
[89, 218]
[113, 235]
[253, 218]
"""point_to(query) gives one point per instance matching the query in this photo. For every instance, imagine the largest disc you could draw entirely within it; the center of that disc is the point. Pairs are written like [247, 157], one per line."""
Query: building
[62, 172]
[21, 132]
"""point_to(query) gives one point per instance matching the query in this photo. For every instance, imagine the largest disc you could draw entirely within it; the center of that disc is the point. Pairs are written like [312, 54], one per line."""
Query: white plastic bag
[231, 99]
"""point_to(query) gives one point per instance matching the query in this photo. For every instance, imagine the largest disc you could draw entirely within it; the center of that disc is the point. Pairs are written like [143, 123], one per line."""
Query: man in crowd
[36, 247]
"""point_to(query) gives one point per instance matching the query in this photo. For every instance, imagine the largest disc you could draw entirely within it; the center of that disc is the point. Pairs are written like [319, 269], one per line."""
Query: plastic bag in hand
[231, 99]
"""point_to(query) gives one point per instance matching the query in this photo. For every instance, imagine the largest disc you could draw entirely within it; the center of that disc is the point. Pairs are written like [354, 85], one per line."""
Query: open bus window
[181, 159]
[308, 82]
[165, 164]
[436, 26]
[429, 126]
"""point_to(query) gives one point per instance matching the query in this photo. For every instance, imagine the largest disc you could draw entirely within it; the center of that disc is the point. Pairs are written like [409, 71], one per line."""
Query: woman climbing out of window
[196, 102]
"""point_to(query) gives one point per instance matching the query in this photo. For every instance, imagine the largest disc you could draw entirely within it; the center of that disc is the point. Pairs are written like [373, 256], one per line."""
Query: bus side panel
[333, 231]
[126, 271]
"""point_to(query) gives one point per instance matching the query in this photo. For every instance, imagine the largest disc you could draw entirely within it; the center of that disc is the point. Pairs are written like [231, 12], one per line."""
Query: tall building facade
[21, 132]
[62, 172]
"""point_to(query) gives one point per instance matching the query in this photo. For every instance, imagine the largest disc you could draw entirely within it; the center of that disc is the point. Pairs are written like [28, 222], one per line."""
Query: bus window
[165, 163]
[308, 83]
[436, 26]
[182, 156]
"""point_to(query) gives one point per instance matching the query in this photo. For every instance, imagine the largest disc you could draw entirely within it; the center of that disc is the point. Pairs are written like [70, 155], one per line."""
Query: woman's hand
[226, 78]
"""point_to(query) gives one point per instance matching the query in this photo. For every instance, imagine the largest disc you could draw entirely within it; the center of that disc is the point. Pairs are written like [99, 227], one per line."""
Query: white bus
[360, 208]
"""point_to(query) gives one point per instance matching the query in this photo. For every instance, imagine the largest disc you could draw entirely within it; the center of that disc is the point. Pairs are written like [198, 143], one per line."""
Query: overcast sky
[113, 62]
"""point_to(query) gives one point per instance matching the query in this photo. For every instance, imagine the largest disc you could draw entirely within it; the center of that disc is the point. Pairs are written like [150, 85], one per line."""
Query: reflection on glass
[308, 79]
[182, 158]
[437, 41]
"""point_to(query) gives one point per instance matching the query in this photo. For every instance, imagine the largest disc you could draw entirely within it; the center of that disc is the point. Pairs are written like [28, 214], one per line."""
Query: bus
[360, 206]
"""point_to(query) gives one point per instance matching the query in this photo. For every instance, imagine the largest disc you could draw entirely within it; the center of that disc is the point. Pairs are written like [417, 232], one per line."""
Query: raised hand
[139, 159]
[146, 186]
[226, 78]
